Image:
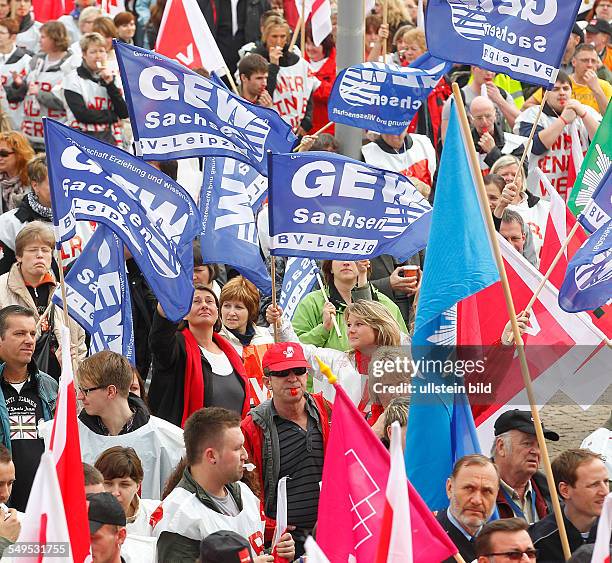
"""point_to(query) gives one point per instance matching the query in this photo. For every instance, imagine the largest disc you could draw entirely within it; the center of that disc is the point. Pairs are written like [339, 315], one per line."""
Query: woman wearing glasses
[193, 365]
[15, 152]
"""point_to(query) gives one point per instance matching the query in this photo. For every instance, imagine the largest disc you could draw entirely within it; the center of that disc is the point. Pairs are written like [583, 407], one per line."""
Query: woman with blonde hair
[397, 17]
[15, 152]
[515, 196]
[31, 283]
[369, 325]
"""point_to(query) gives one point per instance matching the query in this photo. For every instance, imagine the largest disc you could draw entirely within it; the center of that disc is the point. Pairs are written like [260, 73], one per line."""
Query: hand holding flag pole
[324, 292]
[518, 339]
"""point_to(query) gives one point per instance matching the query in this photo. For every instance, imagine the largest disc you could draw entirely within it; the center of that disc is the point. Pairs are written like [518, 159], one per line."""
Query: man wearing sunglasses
[287, 436]
[505, 540]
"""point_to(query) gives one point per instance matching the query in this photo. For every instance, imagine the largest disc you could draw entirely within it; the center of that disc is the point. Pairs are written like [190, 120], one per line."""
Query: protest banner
[176, 113]
[327, 206]
[156, 219]
[521, 38]
[384, 97]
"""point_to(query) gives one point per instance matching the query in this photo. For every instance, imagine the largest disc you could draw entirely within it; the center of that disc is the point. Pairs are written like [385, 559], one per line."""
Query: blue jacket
[47, 391]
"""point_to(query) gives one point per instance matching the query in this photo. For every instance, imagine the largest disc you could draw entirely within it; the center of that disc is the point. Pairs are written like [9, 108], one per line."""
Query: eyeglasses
[288, 372]
[4, 153]
[516, 555]
[90, 389]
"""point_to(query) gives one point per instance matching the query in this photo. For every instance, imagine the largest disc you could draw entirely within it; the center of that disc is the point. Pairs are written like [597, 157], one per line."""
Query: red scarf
[193, 398]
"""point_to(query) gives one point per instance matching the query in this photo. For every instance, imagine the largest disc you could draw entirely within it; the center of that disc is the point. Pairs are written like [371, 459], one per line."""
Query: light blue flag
[459, 262]
[300, 276]
[229, 229]
[98, 294]
[598, 210]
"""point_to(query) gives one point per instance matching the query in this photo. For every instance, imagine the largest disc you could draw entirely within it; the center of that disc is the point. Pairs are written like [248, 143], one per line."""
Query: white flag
[601, 551]
[313, 552]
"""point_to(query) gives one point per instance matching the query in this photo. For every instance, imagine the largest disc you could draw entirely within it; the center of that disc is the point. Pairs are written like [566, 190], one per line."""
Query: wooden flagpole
[385, 20]
[531, 134]
[303, 28]
[518, 339]
[273, 276]
[322, 130]
[298, 27]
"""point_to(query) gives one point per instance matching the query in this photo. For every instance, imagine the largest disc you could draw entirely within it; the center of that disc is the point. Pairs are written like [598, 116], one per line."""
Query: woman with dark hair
[45, 75]
[193, 365]
[15, 152]
[322, 62]
[346, 282]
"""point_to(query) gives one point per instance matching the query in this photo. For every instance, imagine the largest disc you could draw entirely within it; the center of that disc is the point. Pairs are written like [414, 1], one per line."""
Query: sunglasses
[288, 372]
[516, 555]
[4, 153]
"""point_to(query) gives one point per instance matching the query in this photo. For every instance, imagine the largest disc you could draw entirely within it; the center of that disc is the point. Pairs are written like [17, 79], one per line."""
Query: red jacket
[254, 444]
[326, 75]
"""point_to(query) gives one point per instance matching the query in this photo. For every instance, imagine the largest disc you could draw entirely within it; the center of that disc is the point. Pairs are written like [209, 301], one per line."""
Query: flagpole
[60, 264]
[518, 339]
[533, 130]
[334, 320]
[303, 28]
[231, 81]
[298, 27]
[458, 558]
[570, 235]
[273, 276]
[385, 19]
[322, 130]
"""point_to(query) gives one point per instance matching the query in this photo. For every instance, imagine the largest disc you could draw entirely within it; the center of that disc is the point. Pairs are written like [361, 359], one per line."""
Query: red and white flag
[314, 554]
[319, 13]
[45, 519]
[353, 498]
[47, 10]
[395, 544]
[66, 451]
[112, 7]
[185, 37]
[281, 516]
[601, 550]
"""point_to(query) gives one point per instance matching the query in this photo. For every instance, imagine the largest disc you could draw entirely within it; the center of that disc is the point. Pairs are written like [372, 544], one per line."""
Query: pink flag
[601, 551]
[45, 521]
[395, 545]
[66, 450]
[352, 502]
[185, 37]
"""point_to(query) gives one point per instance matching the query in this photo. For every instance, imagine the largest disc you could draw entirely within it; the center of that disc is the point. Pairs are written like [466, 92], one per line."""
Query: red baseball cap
[284, 355]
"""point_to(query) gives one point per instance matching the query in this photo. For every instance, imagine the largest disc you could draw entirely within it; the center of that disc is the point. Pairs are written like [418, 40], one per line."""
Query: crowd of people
[183, 451]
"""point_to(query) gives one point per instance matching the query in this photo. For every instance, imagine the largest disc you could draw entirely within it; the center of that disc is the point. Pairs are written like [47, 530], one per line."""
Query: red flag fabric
[395, 544]
[185, 37]
[45, 10]
[352, 502]
[66, 449]
[564, 350]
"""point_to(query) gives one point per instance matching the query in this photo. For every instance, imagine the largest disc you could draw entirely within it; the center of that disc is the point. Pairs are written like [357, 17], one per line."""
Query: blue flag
[176, 113]
[229, 229]
[300, 276]
[154, 217]
[598, 210]
[588, 280]
[383, 97]
[328, 206]
[452, 271]
[524, 39]
[98, 294]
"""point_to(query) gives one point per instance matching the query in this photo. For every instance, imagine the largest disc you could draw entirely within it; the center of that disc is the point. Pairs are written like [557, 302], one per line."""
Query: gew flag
[229, 229]
[98, 294]
[176, 113]
[588, 280]
[598, 210]
[383, 97]
[525, 39]
[154, 217]
[328, 206]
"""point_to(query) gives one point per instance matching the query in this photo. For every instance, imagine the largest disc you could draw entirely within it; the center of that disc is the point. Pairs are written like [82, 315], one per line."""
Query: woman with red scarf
[193, 366]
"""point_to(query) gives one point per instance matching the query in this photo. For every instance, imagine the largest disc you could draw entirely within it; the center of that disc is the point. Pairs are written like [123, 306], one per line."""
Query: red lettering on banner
[45, 86]
[257, 542]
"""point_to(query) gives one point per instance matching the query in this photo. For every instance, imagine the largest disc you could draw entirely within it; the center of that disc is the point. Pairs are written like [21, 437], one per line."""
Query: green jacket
[308, 318]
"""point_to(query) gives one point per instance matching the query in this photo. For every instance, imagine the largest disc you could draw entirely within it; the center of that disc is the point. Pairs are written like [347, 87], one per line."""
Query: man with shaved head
[490, 141]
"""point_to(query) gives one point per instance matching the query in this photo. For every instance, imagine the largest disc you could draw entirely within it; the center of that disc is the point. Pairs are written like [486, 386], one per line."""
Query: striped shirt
[301, 458]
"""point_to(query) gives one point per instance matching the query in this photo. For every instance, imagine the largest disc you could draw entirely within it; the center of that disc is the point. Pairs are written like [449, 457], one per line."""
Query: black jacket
[465, 547]
[141, 417]
[546, 539]
[496, 152]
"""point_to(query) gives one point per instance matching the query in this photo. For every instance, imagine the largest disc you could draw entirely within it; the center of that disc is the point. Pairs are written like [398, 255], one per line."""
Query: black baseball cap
[104, 508]
[599, 26]
[521, 420]
[225, 546]
[577, 30]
